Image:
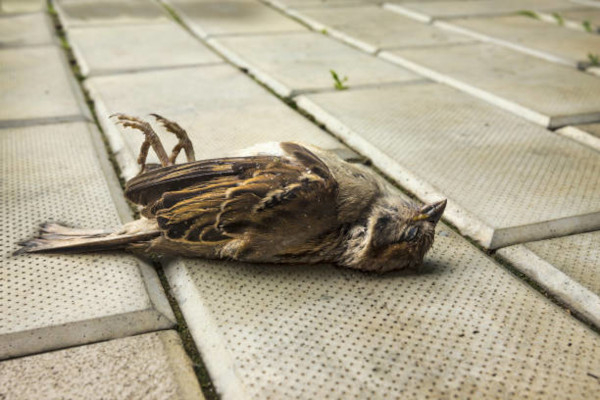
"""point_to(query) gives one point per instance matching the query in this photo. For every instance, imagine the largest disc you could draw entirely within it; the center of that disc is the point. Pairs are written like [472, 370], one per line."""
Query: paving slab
[294, 63]
[429, 11]
[299, 4]
[575, 19]
[109, 12]
[150, 366]
[25, 30]
[22, 6]
[566, 267]
[548, 94]
[530, 36]
[587, 134]
[507, 180]
[220, 107]
[27, 93]
[372, 28]
[53, 173]
[117, 49]
[232, 18]
[463, 327]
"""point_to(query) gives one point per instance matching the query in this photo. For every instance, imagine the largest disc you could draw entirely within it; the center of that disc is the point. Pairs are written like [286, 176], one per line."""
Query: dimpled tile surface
[109, 12]
[27, 93]
[221, 108]
[546, 93]
[297, 62]
[150, 366]
[25, 29]
[518, 180]
[373, 28]
[578, 256]
[428, 10]
[461, 328]
[233, 17]
[51, 173]
[529, 35]
[115, 49]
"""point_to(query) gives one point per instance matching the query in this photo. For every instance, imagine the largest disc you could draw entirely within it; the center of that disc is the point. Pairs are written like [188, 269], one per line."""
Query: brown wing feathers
[217, 200]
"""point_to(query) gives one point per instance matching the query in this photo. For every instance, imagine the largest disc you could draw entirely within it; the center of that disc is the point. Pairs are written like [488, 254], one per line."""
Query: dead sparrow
[283, 203]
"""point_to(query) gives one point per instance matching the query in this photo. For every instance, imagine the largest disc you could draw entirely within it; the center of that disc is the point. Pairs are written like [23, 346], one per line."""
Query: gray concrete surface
[545, 93]
[500, 173]
[307, 68]
[463, 327]
[53, 173]
[567, 267]
[107, 50]
[372, 28]
[26, 93]
[300, 4]
[21, 6]
[530, 36]
[150, 366]
[428, 11]
[25, 30]
[588, 134]
[109, 12]
[221, 108]
[233, 17]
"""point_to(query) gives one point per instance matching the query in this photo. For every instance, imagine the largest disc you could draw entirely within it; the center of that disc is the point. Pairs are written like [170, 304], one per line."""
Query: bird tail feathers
[56, 238]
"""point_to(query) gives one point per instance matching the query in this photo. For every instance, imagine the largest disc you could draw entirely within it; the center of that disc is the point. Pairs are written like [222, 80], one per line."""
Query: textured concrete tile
[221, 108]
[588, 134]
[298, 62]
[507, 180]
[25, 29]
[233, 17]
[300, 4]
[22, 6]
[372, 28]
[101, 12]
[462, 328]
[428, 11]
[28, 93]
[53, 173]
[548, 94]
[105, 50]
[151, 366]
[567, 267]
[528, 35]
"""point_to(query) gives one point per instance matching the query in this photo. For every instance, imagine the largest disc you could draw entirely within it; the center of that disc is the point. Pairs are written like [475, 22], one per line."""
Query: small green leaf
[559, 19]
[324, 31]
[594, 59]
[528, 13]
[338, 83]
[587, 25]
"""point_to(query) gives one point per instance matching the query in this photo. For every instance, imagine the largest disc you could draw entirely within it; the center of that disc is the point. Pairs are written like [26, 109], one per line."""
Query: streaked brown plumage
[284, 203]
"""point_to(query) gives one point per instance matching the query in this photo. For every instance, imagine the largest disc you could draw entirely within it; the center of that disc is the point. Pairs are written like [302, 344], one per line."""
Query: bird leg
[151, 139]
[184, 141]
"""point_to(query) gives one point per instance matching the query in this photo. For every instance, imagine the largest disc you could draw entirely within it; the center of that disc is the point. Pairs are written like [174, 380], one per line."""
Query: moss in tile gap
[559, 19]
[189, 345]
[528, 13]
[587, 25]
[594, 59]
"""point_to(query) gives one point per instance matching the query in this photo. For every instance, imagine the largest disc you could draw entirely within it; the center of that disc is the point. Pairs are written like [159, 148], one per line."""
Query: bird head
[399, 234]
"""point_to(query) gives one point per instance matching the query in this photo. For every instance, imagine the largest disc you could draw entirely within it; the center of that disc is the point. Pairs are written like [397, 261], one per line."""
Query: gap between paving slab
[317, 331]
[483, 220]
[588, 135]
[533, 89]
[580, 299]
[297, 63]
[530, 36]
[66, 300]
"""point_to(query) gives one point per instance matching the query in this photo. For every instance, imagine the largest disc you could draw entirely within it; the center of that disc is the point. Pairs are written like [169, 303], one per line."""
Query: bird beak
[431, 212]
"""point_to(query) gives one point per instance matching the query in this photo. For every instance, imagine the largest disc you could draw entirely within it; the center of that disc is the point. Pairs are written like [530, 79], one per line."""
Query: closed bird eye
[410, 234]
